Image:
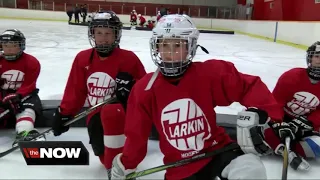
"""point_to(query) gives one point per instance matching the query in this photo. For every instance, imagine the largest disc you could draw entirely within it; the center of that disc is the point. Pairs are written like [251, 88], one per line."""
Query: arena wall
[299, 34]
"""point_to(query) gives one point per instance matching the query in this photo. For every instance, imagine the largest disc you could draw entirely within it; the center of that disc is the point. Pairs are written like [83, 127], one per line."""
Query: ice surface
[55, 44]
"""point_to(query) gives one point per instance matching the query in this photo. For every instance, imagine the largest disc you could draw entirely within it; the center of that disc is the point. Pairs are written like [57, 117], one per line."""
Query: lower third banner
[54, 152]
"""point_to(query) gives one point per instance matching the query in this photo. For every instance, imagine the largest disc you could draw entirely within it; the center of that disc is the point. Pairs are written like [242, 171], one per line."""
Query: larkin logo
[14, 79]
[54, 153]
[185, 126]
[100, 87]
[302, 103]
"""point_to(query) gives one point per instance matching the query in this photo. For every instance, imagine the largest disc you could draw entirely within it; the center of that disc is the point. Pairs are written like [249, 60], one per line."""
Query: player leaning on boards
[19, 94]
[97, 74]
[298, 92]
[185, 118]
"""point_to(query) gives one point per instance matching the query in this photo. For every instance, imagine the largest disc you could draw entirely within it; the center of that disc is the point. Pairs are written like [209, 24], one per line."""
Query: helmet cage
[108, 20]
[178, 66]
[312, 51]
[12, 37]
[105, 48]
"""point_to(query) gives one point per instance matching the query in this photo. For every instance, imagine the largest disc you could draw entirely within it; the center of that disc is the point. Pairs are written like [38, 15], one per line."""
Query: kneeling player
[133, 18]
[150, 24]
[95, 75]
[180, 102]
[298, 92]
[19, 95]
[142, 20]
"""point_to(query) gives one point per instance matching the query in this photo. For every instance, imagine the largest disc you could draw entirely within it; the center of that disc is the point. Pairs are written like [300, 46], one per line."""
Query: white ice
[55, 44]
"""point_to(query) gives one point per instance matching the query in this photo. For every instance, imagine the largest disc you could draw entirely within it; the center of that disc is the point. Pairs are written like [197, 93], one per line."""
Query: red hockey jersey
[21, 75]
[184, 114]
[94, 79]
[298, 96]
[158, 17]
[142, 20]
[133, 17]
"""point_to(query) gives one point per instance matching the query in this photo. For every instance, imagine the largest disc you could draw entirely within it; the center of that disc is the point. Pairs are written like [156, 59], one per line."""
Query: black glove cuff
[263, 115]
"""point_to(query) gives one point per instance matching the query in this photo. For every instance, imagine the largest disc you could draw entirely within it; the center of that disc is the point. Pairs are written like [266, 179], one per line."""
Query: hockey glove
[301, 127]
[250, 127]
[125, 83]
[118, 171]
[13, 102]
[283, 130]
[58, 121]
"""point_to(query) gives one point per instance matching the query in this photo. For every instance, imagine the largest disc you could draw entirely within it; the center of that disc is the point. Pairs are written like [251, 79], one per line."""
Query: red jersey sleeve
[30, 77]
[281, 92]
[75, 92]
[137, 128]
[314, 117]
[246, 89]
[138, 71]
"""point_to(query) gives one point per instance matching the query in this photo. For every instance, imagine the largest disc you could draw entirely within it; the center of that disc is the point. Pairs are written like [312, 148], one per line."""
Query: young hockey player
[19, 94]
[158, 16]
[142, 20]
[133, 18]
[298, 92]
[150, 24]
[180, 102]
[97, 74]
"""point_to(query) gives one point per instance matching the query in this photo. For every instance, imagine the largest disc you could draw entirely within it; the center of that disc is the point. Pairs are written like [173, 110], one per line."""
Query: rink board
[49, 106]
[147, 29]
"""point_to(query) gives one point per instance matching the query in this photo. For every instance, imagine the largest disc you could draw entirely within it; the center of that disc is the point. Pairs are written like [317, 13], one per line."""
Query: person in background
[133, 18]
[142, 20]
[84, 13]
[76, 14]
[163, 11]
[158, 15]
[70, 13]
[150, 24]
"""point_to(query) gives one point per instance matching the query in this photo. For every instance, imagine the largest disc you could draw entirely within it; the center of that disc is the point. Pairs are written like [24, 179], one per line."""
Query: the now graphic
[54, 152]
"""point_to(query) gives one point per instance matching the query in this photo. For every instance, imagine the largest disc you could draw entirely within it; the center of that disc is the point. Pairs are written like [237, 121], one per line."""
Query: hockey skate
[296, 162]
[27, 136]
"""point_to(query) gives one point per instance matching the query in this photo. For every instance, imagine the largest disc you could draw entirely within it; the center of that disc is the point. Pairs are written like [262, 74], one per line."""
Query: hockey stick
[198, 157]
[76, 118]
[286, 159]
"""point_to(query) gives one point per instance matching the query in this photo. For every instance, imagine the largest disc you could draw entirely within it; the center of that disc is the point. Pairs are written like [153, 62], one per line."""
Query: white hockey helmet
[181, 29]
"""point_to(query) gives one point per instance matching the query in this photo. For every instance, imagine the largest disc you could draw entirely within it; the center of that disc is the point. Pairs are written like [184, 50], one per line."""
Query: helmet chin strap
[313, 81]
[107, 53]
[203, 49]
[104, 54]
[12, 57]
[179, 75]
[313, 73]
